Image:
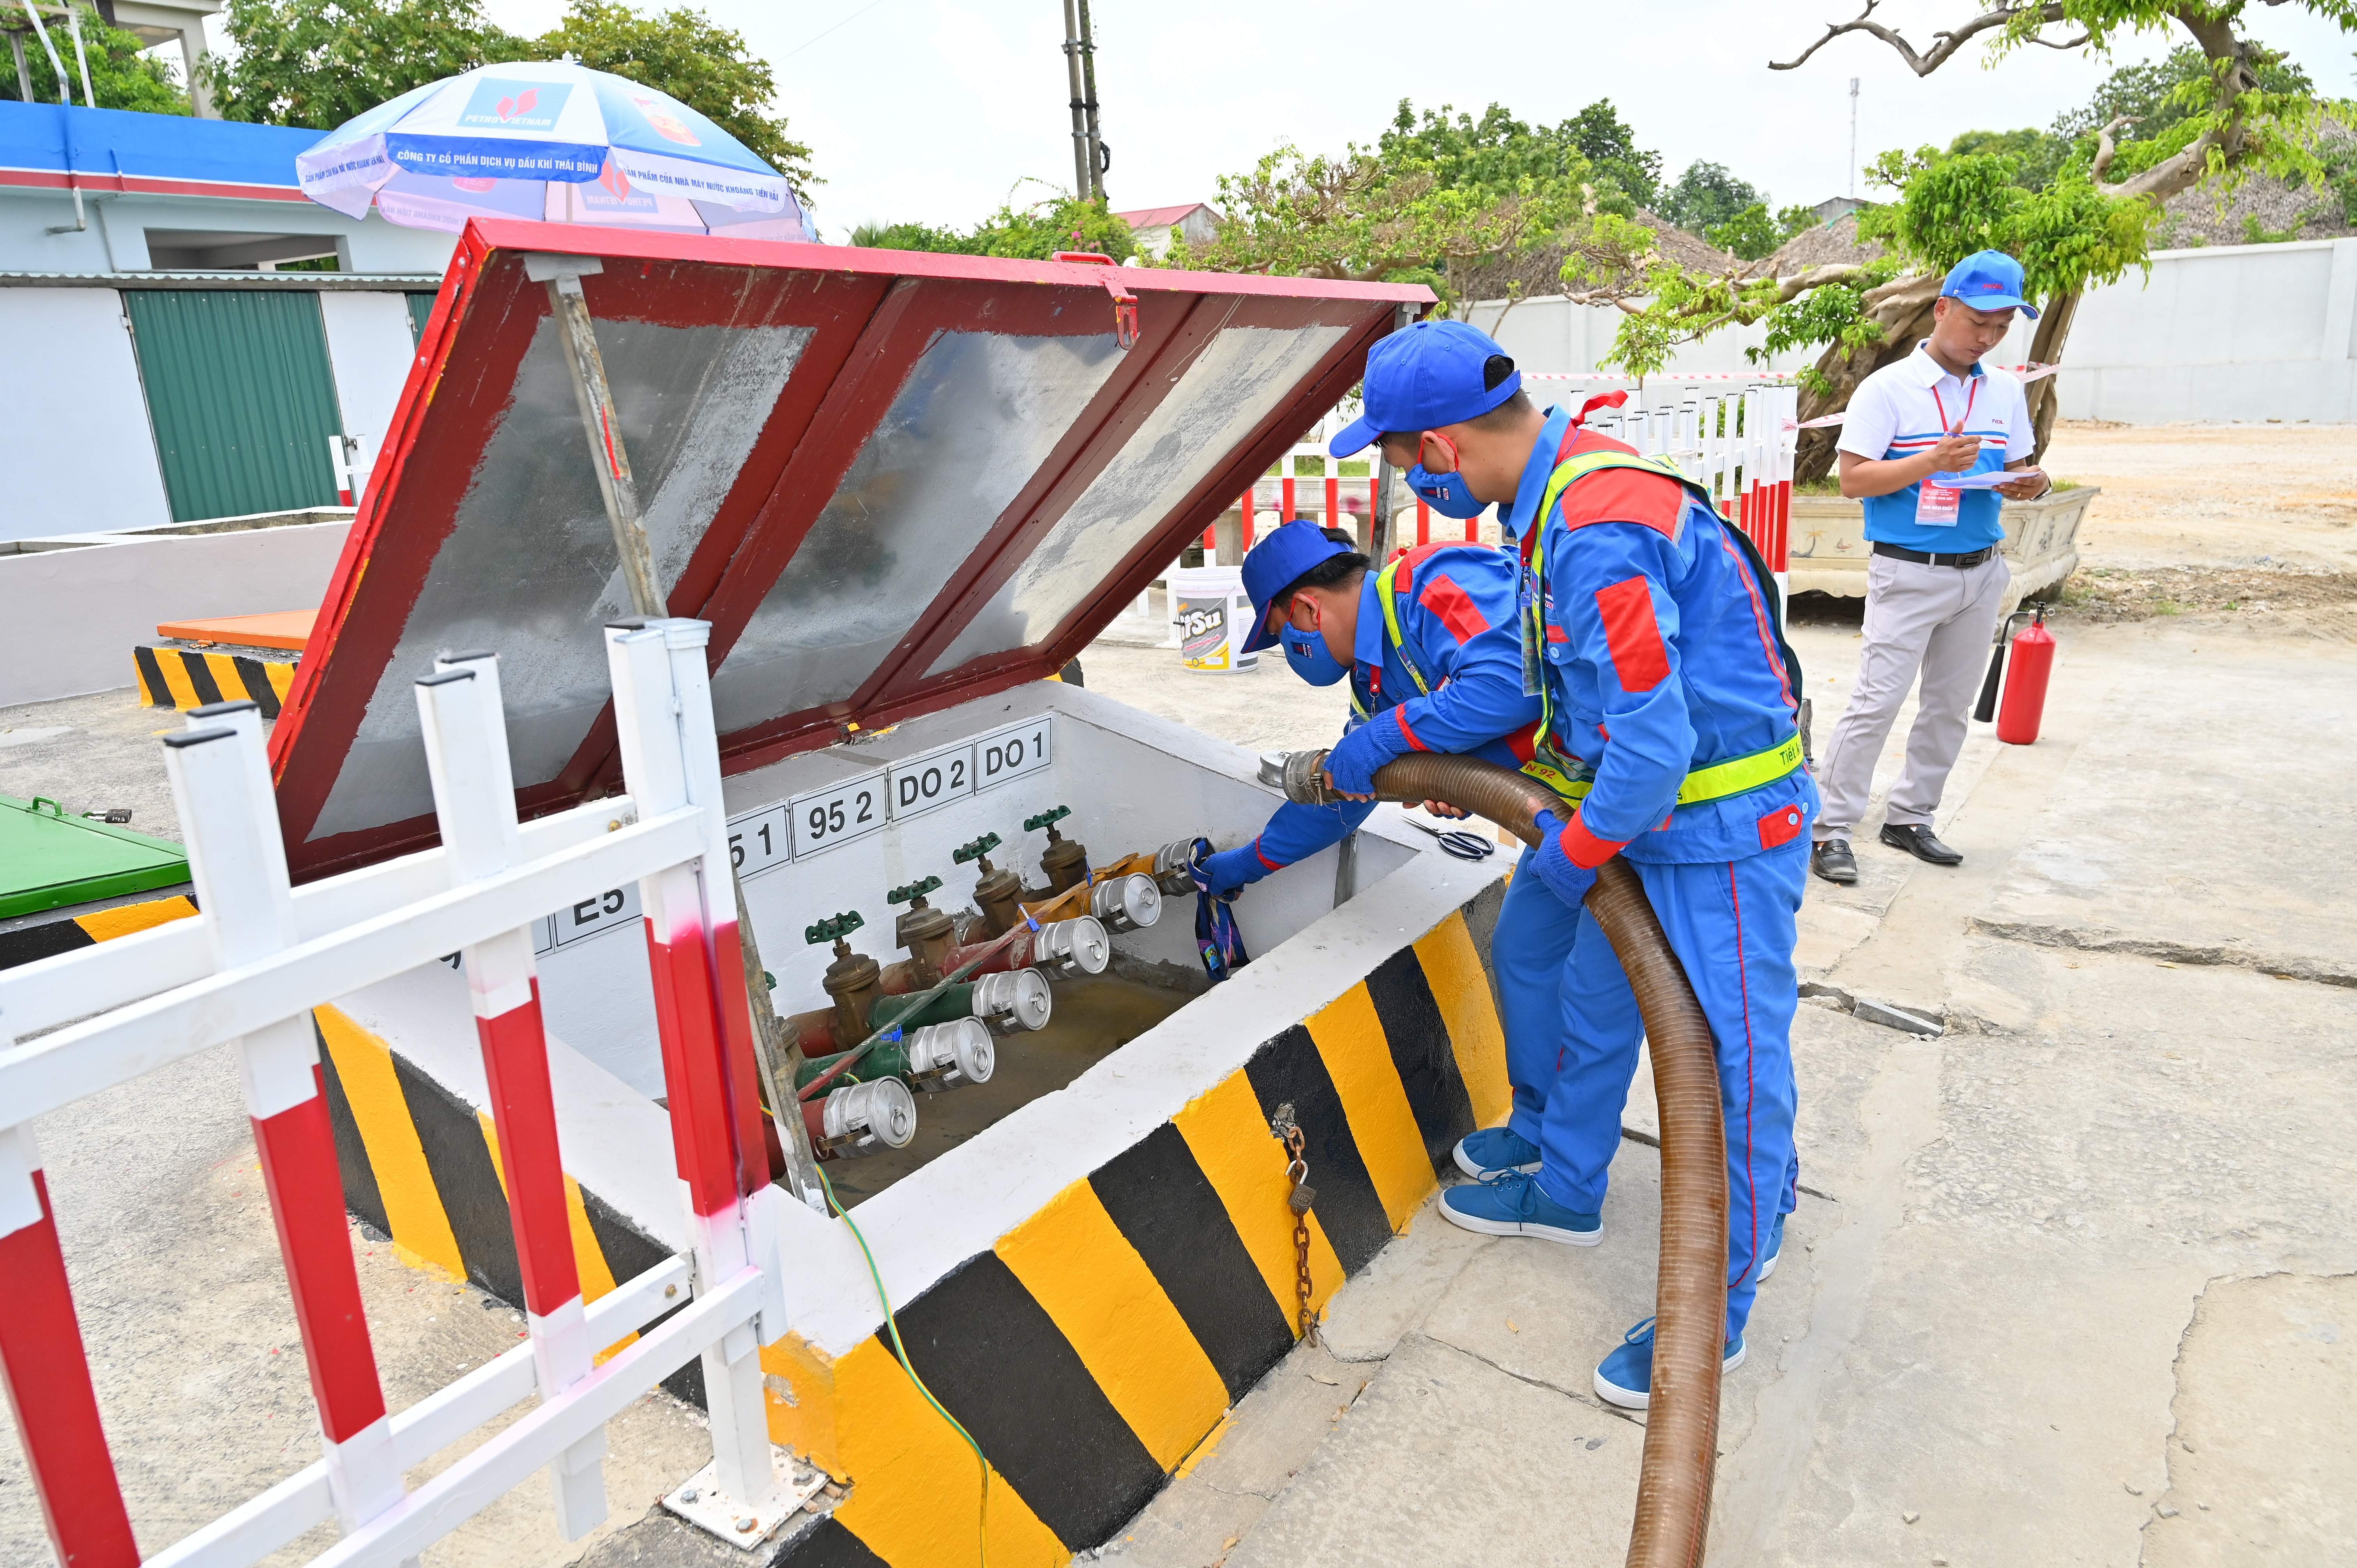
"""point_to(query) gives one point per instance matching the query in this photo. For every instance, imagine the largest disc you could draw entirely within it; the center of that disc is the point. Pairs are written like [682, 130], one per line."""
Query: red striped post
[461, 715]
[1333, 518]
[1285, 489]
[663, 708]
[1244, 508]
[1473, 529]
[221, 781]
[47, 1375]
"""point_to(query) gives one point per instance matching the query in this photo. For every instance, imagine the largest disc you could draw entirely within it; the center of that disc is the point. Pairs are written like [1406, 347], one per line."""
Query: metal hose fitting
[862, 1119]
[1673, 1487]
[1126, 903]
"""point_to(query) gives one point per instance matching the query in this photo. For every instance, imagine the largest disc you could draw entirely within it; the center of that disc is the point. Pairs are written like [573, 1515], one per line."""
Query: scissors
[1463, 845]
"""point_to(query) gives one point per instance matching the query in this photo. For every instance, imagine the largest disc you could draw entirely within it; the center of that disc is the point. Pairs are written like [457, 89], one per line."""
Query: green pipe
[950, 1003]
[886, 1058]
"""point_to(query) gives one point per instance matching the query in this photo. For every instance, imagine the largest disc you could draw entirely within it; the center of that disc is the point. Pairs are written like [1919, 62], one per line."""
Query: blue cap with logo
[1425, 376]
[1988, 280]
[1275, 563]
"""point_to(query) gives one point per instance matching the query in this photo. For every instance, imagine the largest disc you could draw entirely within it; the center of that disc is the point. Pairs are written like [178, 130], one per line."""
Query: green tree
[1058, 221]
[317, 63]
[2038, 156]
[2237, 110]
[1706, 195]
[1750, 234]
[1366, 217]
[120, 76]
[1611, 150]
[685, 54]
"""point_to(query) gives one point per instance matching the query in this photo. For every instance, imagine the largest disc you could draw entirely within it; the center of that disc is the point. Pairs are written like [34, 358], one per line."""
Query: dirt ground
[2247, 521]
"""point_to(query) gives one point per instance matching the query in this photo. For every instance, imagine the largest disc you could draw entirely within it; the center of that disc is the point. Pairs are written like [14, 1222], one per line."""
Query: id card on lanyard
[1937, 506]
[1528, 613]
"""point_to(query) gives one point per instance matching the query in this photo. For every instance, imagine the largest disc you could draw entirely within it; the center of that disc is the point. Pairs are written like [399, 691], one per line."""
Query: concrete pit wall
[1088, 1285]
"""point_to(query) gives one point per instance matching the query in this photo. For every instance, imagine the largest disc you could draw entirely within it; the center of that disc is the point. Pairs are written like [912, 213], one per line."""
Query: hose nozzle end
[1295, 773]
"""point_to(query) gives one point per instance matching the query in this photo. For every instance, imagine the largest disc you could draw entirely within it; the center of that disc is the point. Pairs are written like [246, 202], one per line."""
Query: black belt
[1926, 558]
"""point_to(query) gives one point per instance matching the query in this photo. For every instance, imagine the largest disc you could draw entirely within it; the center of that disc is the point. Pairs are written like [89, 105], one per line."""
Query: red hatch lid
[891, 481]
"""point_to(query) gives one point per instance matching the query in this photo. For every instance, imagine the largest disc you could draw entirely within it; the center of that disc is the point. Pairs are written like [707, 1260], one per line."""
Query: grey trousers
[1935, 620]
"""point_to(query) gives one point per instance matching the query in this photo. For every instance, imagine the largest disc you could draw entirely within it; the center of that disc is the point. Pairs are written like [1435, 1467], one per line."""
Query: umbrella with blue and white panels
[548, 140]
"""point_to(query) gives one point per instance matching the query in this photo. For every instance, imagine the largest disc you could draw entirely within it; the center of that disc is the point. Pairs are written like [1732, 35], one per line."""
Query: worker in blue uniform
[1670, 698]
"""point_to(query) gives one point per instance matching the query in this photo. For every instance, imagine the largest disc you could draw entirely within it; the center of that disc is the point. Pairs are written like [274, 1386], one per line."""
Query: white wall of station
[75, 439]
[2229, 332]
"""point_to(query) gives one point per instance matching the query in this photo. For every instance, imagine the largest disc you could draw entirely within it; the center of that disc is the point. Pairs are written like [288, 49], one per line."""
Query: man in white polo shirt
[1935, 579]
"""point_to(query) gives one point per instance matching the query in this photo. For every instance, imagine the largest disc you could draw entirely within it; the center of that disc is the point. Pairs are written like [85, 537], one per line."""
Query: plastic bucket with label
[1214, 615]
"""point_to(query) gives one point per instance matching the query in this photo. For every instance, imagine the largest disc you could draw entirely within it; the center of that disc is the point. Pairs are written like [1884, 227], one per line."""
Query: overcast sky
[929, 109]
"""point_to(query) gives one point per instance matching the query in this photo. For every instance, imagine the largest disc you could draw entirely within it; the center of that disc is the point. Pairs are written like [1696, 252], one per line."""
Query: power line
[838, 26]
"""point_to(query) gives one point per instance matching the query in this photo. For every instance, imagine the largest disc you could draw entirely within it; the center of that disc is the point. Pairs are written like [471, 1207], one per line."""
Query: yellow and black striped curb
[175, 677]
[51, 938]
[1094, 1347]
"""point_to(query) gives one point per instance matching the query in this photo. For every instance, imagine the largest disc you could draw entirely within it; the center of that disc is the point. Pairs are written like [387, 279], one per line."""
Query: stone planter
[2041, 543]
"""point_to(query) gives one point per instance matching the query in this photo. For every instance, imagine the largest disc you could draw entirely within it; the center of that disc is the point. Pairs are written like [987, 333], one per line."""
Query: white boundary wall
[75, 442]
[2229, 332]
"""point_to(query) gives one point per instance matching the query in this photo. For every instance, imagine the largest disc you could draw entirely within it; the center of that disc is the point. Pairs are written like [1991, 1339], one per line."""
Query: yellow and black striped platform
[48, 937]
[1097, 1343]
[174, 676]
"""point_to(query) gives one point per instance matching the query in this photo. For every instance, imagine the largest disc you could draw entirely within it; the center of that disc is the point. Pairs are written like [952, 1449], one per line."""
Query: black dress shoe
[1833, 861]
[1917, 840]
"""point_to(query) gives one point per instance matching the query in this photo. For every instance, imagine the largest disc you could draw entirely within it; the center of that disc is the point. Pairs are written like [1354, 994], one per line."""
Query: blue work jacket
[1456, 618]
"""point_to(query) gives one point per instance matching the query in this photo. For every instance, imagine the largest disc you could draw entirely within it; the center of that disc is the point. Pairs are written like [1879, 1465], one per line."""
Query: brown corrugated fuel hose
[1672, 1517]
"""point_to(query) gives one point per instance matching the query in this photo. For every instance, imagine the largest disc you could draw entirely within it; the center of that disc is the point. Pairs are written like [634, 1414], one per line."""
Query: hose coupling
[943, 1056]
[1016, 1000]
[862, 1119]
[1067, 949]
[1126, 903]
[1296, 773]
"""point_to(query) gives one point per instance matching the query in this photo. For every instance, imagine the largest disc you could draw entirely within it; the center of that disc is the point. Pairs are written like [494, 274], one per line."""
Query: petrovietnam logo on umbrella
[552, 141]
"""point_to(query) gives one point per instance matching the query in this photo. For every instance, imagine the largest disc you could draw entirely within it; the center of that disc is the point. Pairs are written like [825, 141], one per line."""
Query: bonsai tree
[2214, 113]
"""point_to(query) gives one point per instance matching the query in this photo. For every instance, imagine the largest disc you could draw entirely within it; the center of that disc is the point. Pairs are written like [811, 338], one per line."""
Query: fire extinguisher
[2025, 692]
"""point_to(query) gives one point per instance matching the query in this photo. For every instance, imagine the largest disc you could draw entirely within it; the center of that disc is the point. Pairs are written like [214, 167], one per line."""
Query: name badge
[1936, 505]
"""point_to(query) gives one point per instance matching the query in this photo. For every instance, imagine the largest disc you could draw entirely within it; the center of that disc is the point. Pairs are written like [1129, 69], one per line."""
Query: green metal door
[241, 396]
[421, 308]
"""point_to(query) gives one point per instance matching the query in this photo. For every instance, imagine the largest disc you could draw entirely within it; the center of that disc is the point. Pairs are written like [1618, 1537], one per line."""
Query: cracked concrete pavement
[2073, 1282]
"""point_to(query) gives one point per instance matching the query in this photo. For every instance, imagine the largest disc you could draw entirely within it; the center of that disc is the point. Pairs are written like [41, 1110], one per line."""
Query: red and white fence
[246, 973]
[1733, 433]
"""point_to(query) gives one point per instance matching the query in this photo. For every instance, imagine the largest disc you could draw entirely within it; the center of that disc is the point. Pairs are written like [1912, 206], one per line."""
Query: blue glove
[1368, 746]
[1567, 881]
[1233, 868]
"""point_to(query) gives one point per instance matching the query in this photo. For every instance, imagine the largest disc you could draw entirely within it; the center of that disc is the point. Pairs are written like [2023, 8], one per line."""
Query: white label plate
[1004, 756]
[836, 814]
[760, 841]
[928, 782]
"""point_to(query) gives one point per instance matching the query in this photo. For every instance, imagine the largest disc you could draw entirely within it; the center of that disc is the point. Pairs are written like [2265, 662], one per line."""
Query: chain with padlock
[1299, 1197]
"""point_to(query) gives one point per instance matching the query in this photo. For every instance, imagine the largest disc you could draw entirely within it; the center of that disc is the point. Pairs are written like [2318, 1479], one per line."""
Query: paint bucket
[1214, 615]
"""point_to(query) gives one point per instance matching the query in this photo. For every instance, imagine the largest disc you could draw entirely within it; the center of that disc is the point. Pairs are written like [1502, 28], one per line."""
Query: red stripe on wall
[47, 1377]
[1633, 635]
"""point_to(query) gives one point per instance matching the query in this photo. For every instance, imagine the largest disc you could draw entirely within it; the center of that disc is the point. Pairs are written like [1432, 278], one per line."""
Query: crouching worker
[1427, 649]
[1670, 699]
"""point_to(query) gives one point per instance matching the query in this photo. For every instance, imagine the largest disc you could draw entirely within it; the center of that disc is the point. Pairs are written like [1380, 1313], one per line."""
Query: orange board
[287, 628]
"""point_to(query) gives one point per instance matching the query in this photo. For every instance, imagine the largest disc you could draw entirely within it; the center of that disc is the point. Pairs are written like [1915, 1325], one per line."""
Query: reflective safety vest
[1567, 775]
[1396, 582]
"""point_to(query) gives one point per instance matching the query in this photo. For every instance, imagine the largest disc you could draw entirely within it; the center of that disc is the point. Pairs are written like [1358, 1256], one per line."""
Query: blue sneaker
[1625, 1378]
[1511, 1204]
[1775, 1250]
[1493, 1149]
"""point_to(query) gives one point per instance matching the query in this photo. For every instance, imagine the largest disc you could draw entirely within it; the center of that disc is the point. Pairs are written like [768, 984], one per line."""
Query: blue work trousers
[1731, 923]
[1532, 937]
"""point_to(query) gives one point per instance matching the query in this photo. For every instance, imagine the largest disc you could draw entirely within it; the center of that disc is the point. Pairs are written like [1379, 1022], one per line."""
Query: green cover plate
[49, 859]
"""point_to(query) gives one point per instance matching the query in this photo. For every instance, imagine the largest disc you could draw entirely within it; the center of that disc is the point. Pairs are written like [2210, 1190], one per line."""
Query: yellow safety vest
[1566, 775]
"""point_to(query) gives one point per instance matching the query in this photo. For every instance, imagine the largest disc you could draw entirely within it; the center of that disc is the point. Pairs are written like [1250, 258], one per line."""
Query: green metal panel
[241, 395]
[49, 860]
[421, 305]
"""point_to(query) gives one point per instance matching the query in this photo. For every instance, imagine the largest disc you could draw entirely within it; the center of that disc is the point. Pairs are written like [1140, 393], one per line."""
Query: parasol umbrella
[549, 140]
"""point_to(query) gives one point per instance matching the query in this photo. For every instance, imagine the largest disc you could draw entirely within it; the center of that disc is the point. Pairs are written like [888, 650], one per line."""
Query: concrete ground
[2071, 1282]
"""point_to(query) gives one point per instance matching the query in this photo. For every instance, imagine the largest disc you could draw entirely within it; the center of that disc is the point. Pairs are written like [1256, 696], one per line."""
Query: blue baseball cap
[1275, 563]
[1425, 376]
[1988, 280]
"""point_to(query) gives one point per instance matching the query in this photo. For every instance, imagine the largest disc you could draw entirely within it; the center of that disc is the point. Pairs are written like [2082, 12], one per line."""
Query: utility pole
[1100, 155]
[1082, 153]
[1852, 138]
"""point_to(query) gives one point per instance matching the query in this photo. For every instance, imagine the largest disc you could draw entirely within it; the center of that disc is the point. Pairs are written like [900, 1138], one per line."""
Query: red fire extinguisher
[2025, 691]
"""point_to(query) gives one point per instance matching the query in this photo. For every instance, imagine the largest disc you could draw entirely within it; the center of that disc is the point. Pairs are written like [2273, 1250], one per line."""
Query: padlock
[1304, 1194]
